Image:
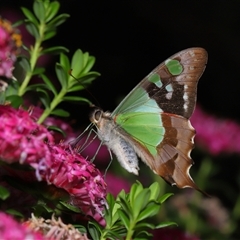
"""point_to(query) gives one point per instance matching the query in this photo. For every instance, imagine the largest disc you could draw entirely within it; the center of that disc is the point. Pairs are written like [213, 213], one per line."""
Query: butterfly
[152, 121]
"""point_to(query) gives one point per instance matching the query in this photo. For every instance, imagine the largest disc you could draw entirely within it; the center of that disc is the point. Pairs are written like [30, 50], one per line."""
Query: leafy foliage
[130, 215]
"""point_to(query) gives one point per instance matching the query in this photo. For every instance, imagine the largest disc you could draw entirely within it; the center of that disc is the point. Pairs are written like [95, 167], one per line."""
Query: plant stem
[53, 104]
[34, 54]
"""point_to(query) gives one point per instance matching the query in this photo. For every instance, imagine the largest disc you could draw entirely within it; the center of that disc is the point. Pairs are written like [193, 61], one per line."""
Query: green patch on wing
[146, 128]
[174, 66]
[137, 100]
[155, 78]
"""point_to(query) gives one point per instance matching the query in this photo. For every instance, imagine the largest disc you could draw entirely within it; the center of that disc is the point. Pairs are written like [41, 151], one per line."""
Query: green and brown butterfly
[152, 121]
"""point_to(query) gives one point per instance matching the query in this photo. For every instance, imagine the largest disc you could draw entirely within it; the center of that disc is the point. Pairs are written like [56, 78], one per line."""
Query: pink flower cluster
[23, 140]
[216, 135]
[10, 41]
[11, 229]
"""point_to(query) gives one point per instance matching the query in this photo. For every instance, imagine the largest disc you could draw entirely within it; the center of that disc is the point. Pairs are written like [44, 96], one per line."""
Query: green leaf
[18, 23]
[135, 190]
[76, 99]
[38, 70]
[24, 63]
[124, 218]
[39, 10]
[94, 230]
[76, 88]
[32, 29]
[60, 112]
[54, 50]
[155, 191]
[151, 209]
[163, 198]
[28, 14]
[70, 207]
[49, 34]
[89, 65]
[64, 62]
[62, 75]
[44, 97]
[16, 101]
[165, 224]
[33, 87]
[58, 20]
[4, 193]
[57, 129]
[144, 225]
[140, 201]
[88, 77]
[77, 63]
[14, 213]
[49, 84]
[52, 10]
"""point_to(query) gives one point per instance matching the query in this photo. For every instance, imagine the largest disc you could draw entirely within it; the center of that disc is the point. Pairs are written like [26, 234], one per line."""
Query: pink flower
[10, 42]
[23, 140]
[216, 135]
[11, 229]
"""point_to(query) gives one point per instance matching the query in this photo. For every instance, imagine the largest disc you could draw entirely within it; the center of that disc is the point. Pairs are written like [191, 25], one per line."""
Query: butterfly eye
[97, 115]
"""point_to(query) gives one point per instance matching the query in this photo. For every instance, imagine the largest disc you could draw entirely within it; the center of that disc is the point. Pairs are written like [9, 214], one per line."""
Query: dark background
[129, 38]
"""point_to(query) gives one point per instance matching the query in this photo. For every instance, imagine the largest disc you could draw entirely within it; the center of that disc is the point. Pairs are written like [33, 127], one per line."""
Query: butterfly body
[152, 122]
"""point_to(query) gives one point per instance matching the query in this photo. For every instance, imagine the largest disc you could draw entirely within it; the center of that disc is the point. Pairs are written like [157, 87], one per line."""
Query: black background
[130, 38]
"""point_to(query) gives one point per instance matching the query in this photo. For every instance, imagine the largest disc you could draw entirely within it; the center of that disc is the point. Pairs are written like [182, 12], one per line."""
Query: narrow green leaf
[88, 77]
[76, 99]
[124, 218]
[64, 62]
[38, 70]
[4, 193]
[59, 20]
[165, 224]
[163, 198]
[151, 209]
[39, 10]
[16, 101]
[52, 10]
[94, 230]
[49, 34]
[62, 75]
[60, 112]
[24, 63]
[76, 88]
[32, 29]
[14, 213]
[155, 191]
[134, 191]
[28, 14]
[70, 207]
[77, 63]
[57, 129]
[85, 59]
[18, 23]
[44, 97]
[89, 65]
[140, 201]
[33, 87]
[54, 50]
[143, 226]
[49, 84]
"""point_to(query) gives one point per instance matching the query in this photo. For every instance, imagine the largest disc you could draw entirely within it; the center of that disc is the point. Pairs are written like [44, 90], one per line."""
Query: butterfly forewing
[170, 87]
